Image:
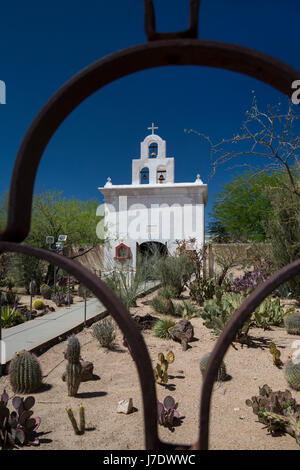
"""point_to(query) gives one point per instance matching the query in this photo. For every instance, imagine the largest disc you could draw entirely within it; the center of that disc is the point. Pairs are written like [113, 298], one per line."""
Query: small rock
[125, 406]
[87, 371]
[236, 409]
[242, 417]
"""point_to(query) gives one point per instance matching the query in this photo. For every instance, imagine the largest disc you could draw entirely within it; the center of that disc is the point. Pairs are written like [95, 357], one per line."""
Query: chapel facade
[153, 211]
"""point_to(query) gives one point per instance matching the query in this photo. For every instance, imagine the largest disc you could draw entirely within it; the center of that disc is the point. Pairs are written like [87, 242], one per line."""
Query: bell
[161, 178]
[153, 154]
[144, 177]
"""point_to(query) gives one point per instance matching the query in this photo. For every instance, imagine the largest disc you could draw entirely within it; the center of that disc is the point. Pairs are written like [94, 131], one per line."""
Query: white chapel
[152, 211]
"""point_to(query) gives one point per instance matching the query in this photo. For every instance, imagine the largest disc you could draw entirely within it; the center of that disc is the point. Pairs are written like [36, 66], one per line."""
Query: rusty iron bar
[153, 35]
[165, 49]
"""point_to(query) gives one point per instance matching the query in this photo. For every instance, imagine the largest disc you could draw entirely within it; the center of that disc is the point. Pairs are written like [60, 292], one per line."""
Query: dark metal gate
[162, 49]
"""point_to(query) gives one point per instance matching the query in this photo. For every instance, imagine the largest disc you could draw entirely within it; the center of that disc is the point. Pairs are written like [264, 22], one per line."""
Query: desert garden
[86, 393]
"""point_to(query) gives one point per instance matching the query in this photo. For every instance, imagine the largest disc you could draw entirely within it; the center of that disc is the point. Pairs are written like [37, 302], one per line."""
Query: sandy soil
[230, 428]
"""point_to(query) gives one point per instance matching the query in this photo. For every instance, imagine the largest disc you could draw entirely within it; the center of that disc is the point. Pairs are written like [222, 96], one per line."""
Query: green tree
[242, 208]
[283, 231]
[53, 214]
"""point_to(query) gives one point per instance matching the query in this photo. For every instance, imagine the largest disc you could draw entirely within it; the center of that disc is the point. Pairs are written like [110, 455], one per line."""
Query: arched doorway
[147, 250]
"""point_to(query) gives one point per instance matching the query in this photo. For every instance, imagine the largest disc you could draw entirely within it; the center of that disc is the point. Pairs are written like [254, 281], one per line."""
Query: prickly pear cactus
[292, 374]
[222, 374]
[73, 371]
[161, 370]
[292, 323]
[25, 373]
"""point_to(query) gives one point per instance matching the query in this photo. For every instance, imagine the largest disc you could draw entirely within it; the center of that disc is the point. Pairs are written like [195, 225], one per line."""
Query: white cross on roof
[152, 128]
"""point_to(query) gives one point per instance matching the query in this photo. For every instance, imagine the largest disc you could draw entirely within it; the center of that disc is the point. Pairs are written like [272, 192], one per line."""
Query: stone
[182, 332]
[125, 406]
[86, 371]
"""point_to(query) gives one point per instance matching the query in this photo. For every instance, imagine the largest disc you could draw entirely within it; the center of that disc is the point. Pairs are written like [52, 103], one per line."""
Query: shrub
[38, 304]
[161, 327]
[11, 317]
[104, 332]
[248, 282]
[162, 305]
[175, 271]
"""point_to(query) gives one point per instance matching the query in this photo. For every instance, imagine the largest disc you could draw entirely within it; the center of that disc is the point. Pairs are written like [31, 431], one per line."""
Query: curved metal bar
[126, 324]
[228, 335]
[150, 28]
[108, 69]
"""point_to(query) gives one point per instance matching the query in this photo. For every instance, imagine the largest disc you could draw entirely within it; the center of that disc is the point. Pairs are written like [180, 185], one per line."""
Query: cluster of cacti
[292, 323]
[276, 354]
[38, 304]
[292, 374]
[25, 373]
[17, 427]
[222, 374]
[73, 370]
[277, 410]
[161, 370]
[167, 411]
[187, 309]
[81, 428]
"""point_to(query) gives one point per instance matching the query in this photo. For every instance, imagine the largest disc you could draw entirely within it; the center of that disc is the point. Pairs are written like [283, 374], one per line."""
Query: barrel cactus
[46, 291]
[73, 372]
[292, 374]
[38, 304]
[222, 374]
[25, 373]
[292, 323]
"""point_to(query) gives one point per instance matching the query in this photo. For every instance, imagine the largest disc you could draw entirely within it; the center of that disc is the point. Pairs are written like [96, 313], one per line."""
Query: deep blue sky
[44, 43]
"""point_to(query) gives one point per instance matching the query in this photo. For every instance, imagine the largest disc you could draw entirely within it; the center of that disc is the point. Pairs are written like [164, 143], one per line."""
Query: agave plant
[167, 411]
[18, 428]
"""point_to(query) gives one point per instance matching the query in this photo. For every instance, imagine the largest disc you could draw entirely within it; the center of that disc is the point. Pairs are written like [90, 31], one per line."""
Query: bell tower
[153, 167]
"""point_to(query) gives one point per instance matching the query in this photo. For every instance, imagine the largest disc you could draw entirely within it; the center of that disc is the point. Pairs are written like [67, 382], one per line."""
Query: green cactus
[276, 354]
[38, 304]
[292, 323]
[73, 370]
[25, 373]
[292, 374]
[222, 374]
[161, 370]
